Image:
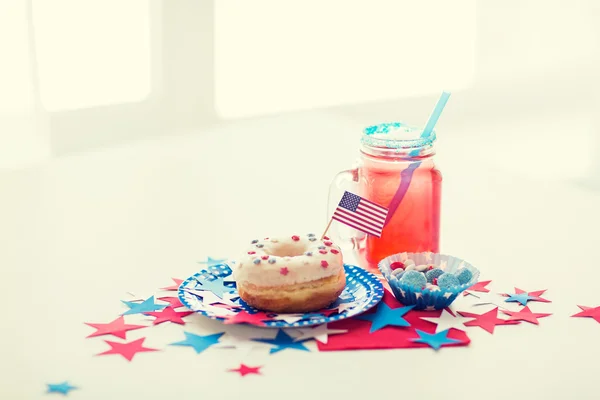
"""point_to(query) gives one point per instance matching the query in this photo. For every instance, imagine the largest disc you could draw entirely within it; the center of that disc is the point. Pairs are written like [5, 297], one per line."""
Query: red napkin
[390, 337]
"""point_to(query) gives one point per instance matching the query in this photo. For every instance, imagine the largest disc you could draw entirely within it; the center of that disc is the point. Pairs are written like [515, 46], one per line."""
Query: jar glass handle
[341, 233]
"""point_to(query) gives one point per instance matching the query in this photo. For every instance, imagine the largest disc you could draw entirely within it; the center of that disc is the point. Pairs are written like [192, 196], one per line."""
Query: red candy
[334, 251]
[327, 243]
[434, 281]
[251, 252]
[430, 268]
[264, 257]
[295, 238]
[283, 271]
[323, 251]
[324, 264]
[396, 264]
[325, 237]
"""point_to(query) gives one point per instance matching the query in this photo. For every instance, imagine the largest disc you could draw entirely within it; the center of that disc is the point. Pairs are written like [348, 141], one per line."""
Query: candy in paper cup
[412, 291]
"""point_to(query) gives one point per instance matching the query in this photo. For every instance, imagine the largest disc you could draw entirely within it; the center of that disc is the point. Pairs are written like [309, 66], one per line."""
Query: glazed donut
[290, 274]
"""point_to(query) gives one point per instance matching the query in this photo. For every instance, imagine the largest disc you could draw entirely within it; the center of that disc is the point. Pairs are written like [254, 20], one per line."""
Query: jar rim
[396, 135]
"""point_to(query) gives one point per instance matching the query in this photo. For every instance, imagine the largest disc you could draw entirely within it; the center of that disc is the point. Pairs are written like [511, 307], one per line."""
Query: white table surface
[79, 231]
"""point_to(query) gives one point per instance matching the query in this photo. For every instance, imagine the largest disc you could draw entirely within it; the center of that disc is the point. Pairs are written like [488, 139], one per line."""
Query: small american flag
[361, 214]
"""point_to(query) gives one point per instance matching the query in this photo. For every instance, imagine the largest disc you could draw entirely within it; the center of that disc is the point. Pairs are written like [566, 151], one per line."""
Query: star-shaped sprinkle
[435, 340]
[174, 302]
[588, 312]
[427, 255]
[320, 333]
[486, 321]
[525, 315]
[62, 388]
[244, 317]
[478, 287]
[127, 350]
[447, 321]
[281, 342]
[169, 314]
[244, 370]
[211, 262]
[386, 316]
[523, 296]
[117, 328]
[175, 286]
[144, 307]
[197, 342]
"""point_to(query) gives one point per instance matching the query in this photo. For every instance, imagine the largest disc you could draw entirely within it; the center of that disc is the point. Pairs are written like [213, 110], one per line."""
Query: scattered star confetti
[320, 333]
[447, 321]
[435, 340]
[588, 312]
[174, 287]
[244, 317]
[140, 308]
[211, 262]
[117, 328]
[197, 342]
[62, 388]
[523, 297]
[525, 315]
[169, 314]
[244, 370]
[486, 321]
[216, 286]
[289, 318]
[281, 342]
[478, 287]
[483, 298]
[127, 350]
[174, 302]
[209, 297]
[386, 316]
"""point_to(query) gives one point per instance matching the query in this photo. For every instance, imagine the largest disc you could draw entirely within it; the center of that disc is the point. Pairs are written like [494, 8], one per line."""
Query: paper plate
[363, 291]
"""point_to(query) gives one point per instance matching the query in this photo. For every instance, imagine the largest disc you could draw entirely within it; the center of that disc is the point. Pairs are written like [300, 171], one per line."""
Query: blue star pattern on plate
[522, 298]
[197, 342]
[364, 288]
[147, 305]
[212, 262]
[217, 286]
[386, 316]
[62, 388]
[283, 341]
[435, 340]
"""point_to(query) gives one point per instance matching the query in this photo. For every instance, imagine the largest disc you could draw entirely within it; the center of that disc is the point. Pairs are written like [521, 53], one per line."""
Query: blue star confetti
[522, 298]
[386, 316]
[283, 341]
[147, 305]
[217, 286]
[211, 262]
[197, 342]
[435, 340]
[62, 388]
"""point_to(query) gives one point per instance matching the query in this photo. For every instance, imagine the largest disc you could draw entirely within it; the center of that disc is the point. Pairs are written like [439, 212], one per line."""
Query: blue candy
[312, 239]
[398, 273]
[464, 276]
[432, 274]
[271, 261]
[256, 261]
[254, 241]
[259, 245]
[447, 281]
[311, 234]
[414, 278]
[308, 253]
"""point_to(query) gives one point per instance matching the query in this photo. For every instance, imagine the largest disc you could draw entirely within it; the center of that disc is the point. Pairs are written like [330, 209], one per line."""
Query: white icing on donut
[288, 260]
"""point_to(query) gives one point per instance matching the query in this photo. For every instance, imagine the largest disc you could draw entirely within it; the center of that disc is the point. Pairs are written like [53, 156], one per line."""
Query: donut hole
[287, 250]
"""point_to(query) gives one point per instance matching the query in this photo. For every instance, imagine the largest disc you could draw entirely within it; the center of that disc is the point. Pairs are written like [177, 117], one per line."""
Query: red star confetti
[246, 370]
[127, 350]
[358, 336]
[525, 315]
[168, 314]
[173, 301]
[533, 296]
[117, 328]
[486, 321]
[589, 312]
[243, 317]
[478, 287]
[175, 286]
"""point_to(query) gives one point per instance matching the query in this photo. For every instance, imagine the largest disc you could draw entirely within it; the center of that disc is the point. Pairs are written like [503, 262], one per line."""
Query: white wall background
[81, 76]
